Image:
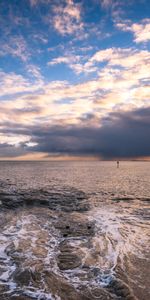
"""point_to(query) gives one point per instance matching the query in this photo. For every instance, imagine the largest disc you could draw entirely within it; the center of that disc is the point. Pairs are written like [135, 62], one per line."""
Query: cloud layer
[74, 80]
[121, 135]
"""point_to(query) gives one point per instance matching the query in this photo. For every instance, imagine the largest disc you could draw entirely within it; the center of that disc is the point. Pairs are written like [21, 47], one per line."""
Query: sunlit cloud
[121, 84]
[141, 30]
[35, 73]
[11, 139]
[17, 47]
[75, 62]
[12, 83]
[69, 59]
[67, 18]
[70, 79]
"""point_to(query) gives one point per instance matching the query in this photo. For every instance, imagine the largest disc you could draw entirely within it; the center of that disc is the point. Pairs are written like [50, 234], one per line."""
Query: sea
[74, 230]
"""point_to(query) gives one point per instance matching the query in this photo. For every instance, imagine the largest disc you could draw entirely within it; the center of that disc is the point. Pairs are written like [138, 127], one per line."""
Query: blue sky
[73, 76]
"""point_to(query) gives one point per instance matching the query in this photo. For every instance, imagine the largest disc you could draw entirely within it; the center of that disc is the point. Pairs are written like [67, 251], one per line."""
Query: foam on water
[25, 234]
[118, 235]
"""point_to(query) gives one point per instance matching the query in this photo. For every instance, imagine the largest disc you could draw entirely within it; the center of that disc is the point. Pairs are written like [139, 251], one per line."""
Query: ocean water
[84, 225]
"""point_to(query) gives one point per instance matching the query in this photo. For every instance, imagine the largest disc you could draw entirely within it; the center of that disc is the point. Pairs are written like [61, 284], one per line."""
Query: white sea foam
[117, 237]
[26, 230]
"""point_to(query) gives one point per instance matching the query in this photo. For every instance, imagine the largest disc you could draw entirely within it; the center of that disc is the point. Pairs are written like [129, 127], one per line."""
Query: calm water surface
[131, 178]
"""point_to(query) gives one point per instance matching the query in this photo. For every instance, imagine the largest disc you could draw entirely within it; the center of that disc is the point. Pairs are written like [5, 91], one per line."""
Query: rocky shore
[47, 250]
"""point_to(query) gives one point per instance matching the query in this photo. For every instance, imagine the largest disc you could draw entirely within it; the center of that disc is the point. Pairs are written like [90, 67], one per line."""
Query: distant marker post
[117, 164]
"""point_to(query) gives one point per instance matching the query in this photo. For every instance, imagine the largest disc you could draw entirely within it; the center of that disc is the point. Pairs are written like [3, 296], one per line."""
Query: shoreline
[65, 235]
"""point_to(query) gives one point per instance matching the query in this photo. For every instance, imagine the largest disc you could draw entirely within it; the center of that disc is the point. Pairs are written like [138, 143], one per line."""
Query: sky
[74, 79]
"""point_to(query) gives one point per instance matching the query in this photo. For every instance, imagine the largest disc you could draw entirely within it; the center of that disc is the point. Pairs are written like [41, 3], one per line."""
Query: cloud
[10, 151]
[63, 59]
[35, 72]
[141, 30]
[67, 18]
[122, 83]
[125, 58]
[15, 46]
[74, 62]
[116, 8]
[118, 56]
[106, 3]
[40, 37]
[12, 140]
[120, 135]
[37, 2]
[34, 2]
[12, 83]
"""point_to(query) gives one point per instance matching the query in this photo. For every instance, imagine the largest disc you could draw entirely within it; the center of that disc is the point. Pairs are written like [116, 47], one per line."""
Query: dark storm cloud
[8, 150]
[122, 135]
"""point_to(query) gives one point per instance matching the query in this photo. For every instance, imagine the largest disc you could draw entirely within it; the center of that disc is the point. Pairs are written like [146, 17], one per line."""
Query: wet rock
[3, 289]
[122, 290]
[69, 200]
[40, 251]
[100, 294]
[144, 199]
[2, 220]
[22, 276]
[61, 288]
[72, 200]
[10, 200]
[10, 249]
[4, 297]
[67, 260]
[139, 271]
[19, 297]
[76, 229]
[64, 246]
[118, 199]
[88, 262]
[35, 201]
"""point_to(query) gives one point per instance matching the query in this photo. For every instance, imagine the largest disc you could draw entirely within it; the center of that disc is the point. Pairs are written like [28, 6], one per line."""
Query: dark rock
[67, 227]
[118, 199]
[67, 260]
[65, 247]
[67, 201]
[3, 289]
[122, 290]
[22, 276]
[19, 297]
[76, 229]
[10, 249]
[65, 235]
